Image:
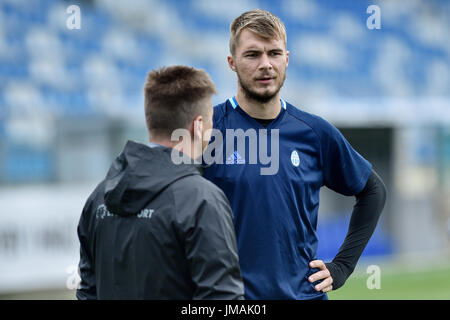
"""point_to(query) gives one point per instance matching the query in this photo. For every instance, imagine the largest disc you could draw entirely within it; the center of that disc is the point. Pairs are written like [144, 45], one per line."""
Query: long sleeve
[366, 212]
[211, 252]
[87, 289]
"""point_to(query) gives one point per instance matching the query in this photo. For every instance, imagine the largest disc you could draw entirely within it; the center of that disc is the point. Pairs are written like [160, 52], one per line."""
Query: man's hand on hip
[326, 284]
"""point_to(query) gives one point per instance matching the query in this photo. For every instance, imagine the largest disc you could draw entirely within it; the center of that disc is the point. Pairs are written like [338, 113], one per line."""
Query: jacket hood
[139, 174]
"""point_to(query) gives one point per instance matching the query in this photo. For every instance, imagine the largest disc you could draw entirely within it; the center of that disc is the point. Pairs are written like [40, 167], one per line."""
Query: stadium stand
[49, 71]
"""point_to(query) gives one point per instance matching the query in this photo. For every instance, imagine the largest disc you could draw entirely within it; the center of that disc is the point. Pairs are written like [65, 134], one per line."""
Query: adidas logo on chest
[235, 158]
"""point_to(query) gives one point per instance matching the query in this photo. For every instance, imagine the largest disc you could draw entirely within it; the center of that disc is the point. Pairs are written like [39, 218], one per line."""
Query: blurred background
[71, 97]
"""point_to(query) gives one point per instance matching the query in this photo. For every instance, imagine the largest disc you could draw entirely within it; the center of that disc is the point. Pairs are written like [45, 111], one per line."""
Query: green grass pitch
[432, 284]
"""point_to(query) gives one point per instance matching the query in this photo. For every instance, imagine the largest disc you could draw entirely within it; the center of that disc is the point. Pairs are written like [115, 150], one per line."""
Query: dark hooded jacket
[155, 230]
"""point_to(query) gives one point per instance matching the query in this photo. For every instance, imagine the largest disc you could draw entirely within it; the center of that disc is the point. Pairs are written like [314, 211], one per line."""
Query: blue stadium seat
[154, 48]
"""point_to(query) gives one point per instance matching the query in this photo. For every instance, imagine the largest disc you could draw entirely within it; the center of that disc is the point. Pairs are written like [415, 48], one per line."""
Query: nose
[264, 62]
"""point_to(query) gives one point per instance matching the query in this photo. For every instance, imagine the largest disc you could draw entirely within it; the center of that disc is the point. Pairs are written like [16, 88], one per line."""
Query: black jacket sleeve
[87, 289]
[211, 252]
[366, 212]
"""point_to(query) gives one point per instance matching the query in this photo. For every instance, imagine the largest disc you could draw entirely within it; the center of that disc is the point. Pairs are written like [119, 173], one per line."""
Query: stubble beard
[258, 97]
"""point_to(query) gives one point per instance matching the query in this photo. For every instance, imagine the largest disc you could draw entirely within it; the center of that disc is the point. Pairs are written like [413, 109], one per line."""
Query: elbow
[381, 191]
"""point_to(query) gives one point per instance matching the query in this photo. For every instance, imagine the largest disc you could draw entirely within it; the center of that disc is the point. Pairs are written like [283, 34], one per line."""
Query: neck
[257, 109]
[188, 148]
[164, 142]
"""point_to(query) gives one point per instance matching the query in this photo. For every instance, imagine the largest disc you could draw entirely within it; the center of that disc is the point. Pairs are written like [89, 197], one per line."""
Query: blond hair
[261, 22]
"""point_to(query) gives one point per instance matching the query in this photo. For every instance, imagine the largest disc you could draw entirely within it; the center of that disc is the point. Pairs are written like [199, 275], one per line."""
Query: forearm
[366, 213]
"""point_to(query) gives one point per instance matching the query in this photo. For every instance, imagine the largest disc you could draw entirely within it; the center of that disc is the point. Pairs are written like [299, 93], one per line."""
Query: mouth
[264, 80]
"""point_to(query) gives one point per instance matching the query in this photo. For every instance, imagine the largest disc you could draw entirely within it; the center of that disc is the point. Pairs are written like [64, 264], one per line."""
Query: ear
[197, 127]
[231, 63]
[287, 58]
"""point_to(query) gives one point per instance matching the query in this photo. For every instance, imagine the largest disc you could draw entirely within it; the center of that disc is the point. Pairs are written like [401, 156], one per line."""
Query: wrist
[337, 274]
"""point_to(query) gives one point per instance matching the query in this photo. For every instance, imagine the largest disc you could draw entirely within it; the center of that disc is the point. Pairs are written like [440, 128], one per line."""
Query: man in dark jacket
[153, 229]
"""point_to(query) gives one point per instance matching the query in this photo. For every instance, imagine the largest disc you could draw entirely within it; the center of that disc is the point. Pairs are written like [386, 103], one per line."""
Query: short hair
[261, 22]
[171, 97]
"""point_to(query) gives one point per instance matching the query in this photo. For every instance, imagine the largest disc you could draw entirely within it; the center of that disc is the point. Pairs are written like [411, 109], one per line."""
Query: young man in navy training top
[275, 211]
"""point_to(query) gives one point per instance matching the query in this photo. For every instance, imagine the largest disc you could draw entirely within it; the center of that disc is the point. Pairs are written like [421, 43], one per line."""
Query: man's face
[260, 65]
